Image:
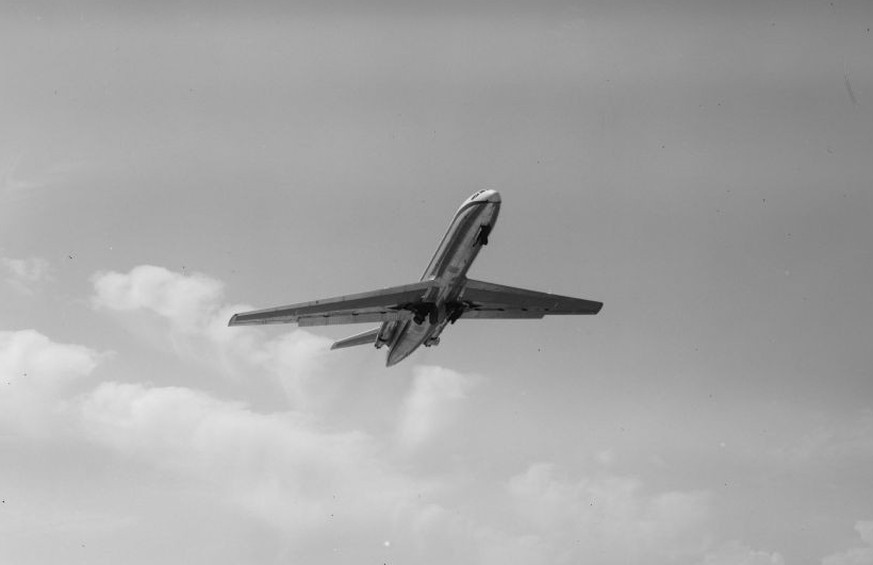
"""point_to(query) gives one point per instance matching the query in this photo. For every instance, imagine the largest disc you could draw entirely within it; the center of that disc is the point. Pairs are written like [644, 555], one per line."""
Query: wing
[384, 305]
[485, 300]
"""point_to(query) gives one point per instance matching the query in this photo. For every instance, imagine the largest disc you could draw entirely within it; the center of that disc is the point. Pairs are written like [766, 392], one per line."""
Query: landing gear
[482, 235]
[454, 311]
[385, 335]
[425, 311]
[432, 342]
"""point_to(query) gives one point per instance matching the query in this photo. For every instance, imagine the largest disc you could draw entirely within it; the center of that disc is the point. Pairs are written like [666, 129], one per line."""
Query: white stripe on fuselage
[448, 268]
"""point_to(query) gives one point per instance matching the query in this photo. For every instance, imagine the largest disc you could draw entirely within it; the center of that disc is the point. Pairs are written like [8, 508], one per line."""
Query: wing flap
[486, 300]
[353, 318]
[502, 314]
[374, 306]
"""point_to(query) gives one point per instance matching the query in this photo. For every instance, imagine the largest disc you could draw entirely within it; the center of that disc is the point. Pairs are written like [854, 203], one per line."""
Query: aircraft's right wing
[485, 300]
[385, 305]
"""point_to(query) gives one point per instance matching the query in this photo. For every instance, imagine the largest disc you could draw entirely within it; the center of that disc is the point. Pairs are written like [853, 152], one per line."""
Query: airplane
[416, 314]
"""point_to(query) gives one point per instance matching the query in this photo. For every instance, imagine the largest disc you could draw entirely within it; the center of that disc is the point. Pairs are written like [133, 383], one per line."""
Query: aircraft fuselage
[459, 247]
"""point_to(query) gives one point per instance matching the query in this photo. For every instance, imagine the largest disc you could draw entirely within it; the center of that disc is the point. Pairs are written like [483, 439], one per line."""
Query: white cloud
[305, 479]
[855, 555]
[318, 483]
[865, 529]
[192, 307]
[736, 553]
[20, 172]
[31, 270]
[188, 301]
[280, 467]
[608, 518]
[25, 274]
[316, 487]
[431, 403]
[36, 372]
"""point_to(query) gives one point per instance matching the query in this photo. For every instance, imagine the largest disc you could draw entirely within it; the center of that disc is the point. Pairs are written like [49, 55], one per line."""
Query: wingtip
[232, 321]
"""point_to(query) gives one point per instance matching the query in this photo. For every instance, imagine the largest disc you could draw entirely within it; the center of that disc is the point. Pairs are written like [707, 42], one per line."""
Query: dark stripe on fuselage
[448, 247]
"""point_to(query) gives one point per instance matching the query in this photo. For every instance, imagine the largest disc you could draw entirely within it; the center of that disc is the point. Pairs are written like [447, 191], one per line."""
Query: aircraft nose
[491, 196]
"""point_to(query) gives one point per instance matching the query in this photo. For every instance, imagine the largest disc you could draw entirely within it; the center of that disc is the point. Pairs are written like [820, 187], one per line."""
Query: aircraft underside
[416, 314]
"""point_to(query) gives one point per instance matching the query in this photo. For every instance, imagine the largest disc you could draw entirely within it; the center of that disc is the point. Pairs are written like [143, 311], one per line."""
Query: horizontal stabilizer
[363, 338]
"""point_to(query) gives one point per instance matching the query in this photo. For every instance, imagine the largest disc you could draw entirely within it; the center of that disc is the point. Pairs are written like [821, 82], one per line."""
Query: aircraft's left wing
[385, 305]
[484, 300]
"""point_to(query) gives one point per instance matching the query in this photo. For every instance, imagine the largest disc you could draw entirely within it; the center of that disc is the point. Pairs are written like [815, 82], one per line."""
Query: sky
[703, 168]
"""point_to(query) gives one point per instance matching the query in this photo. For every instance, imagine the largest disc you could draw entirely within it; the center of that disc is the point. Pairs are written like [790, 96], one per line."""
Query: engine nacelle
[385, 335]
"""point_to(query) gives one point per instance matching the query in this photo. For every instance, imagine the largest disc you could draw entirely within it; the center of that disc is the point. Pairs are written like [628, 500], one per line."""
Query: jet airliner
[416, 314]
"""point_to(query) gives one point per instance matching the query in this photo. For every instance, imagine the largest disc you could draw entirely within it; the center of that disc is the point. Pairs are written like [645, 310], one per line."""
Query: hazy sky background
[704, 168]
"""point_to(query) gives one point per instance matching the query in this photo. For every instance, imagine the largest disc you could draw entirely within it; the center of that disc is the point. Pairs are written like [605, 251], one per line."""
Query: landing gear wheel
[454, 311]
[425, 311]
[482, 236]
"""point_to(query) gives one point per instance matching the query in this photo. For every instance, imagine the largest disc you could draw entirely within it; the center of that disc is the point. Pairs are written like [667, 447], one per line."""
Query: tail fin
[363, 338]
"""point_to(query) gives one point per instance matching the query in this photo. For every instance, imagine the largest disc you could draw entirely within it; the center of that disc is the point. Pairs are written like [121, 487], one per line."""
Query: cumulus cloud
[736, 553]
[856, 555]
[282, 468]
[18, 173]
[431, 404]
[25, 274]
[194, 314]
[187, 301]
[298, 476]
[304, 478]
[36, 373]
[320, 486]
[608, 518]
[285, 467]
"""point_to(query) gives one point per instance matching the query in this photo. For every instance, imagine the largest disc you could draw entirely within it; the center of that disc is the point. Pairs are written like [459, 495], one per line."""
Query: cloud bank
[857, 555]
[36, 373]
[322, 489]
[24, 275]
